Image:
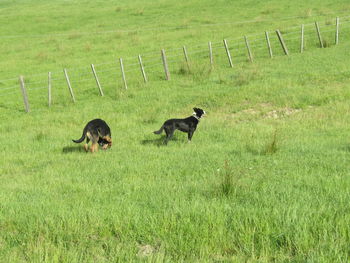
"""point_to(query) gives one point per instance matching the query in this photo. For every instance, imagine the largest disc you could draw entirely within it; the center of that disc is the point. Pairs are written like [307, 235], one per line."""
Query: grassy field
[265, 179]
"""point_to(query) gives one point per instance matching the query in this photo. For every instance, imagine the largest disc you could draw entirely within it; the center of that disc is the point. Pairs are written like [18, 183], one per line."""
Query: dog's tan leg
[86, 147]
[94, 147]
[94, 143]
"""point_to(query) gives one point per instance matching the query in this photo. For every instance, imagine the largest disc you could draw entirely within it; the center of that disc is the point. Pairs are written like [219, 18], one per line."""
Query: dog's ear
[195, 109]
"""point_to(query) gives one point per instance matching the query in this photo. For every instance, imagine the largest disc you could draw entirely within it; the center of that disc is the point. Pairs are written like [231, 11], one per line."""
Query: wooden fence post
[69, 86]
[319, 35]
[302, 39]
[337, 31]
[228, 53]
[248, 48]
[268, 43]
[49, 88]
[123, 73]
[142, 69]
[24, 94]
[96, 78]
[282, 42]
[186, 57]
[211, 54]
[165, 64]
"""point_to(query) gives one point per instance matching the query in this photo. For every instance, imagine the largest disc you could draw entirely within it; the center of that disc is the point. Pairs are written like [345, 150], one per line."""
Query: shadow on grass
[3, 106]
[252, 150]
[157, 142]
[346, 148]
[266, 150]
[71, 149]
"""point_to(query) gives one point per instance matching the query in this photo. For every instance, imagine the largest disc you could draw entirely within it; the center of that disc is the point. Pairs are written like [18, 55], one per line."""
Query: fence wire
[109, 74]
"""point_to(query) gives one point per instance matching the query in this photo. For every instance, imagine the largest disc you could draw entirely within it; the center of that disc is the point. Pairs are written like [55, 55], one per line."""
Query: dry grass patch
[260, 111]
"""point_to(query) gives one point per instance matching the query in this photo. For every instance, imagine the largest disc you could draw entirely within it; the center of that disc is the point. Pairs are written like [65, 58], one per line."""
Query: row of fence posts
[165, 63]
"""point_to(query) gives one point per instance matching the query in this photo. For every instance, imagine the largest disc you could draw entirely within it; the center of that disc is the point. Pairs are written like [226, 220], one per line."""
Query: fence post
[49, 88]
[165, 64]
[24, 94]
[337, 31]
[319, 35]
[123, 73]
[142, 69]
[268, 43]
[69, 86]
[248, 48]
[228, 53]
[96, 78]
[210, 54]
[186, 57]
[302, 39]
[282, 42]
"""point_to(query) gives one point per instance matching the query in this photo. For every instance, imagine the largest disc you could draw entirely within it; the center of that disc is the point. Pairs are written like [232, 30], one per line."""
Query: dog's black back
[188, 125]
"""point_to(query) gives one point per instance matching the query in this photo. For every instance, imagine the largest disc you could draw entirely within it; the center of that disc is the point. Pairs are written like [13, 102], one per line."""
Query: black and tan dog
[98, 132]
[187, 125]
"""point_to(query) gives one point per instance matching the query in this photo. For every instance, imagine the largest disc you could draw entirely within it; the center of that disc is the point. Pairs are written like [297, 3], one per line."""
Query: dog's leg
[94, 140]
[86, 147]
[169, 134]
[189, 135]
[94, 147]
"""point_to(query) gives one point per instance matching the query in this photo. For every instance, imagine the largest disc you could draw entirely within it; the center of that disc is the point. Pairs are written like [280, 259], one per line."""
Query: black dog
[98, 132]
[187, 125]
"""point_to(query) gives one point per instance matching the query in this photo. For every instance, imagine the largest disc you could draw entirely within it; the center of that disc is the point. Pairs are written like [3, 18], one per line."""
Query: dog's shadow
[71, 149]
[346, 148]
[157, 142]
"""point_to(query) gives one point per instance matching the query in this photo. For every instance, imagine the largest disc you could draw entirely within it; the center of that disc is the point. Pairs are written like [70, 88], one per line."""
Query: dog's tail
[82, 137]
[160, 130]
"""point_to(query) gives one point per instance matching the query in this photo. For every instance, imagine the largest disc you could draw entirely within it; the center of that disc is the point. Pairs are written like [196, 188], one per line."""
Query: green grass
[265, 178]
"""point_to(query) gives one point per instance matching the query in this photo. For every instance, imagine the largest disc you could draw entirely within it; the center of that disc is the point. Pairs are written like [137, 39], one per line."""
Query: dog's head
[105, 142]
[198, 112]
